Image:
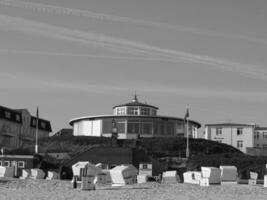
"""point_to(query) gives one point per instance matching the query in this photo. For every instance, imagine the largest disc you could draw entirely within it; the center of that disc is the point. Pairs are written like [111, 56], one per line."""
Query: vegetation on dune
[202, 152]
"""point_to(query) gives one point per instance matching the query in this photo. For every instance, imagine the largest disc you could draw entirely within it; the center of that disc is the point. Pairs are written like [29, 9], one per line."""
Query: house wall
[229, 136]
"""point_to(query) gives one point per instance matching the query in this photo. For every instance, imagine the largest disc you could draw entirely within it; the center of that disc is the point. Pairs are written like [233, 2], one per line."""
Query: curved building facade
[133, 120]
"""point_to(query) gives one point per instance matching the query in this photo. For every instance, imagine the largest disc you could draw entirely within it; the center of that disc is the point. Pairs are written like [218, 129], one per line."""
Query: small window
[34, 122]
[144, 166]
[6, 163]
[7, 114]
[239, 144]
[0, 162]
[17, 117]
[264, 135]
[218, 131]
[43, 125]
[239, 131]
[21, 164]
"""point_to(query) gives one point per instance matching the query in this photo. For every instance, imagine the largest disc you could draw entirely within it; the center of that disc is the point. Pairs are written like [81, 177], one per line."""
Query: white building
[240, 136]
[133, 120]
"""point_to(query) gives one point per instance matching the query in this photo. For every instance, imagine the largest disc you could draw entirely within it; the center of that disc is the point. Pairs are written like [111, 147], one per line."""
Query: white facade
[87, 128]
[239, 136]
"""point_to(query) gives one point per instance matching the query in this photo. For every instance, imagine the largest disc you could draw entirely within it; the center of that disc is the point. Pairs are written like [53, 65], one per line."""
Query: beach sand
[15, 189]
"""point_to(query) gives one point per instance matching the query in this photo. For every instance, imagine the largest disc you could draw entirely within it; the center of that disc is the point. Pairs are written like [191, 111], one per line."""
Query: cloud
[59, 10]
[128, 47]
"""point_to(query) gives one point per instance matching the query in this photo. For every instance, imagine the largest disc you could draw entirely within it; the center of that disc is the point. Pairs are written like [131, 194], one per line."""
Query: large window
[132, 111]
[145, 111]
[133, 127]
[121, 127]
[121, 111]
[239, 144]
[147, 128]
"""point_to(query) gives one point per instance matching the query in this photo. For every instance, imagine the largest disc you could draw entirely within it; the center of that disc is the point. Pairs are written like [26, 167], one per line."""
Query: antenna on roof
[135, 97]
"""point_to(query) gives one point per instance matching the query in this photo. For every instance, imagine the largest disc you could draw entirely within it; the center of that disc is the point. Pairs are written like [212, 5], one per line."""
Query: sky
[78, 58]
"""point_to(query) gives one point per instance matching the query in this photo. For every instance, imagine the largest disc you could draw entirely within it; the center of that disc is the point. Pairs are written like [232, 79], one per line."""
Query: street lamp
[114, 131]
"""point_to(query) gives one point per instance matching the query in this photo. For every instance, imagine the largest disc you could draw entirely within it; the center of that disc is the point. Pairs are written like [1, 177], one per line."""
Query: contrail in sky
[49, 53]
[125, 46]
[45, 8]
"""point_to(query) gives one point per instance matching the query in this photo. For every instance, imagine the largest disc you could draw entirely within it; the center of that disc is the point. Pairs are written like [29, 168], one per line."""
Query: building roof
[13, 115]
[16, 116]
[230, 124]
[95, 117]
[260, 128]
[64, 132]
[135, 102]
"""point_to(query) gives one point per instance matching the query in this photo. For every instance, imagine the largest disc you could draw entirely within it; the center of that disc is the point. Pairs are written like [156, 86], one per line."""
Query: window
[34, 122]
[7, 114]
[121, 127]
[256, 135]
[43, 124]
[133, 111]
[144, 166]
[220, 141]
[239, 131]
[145, 111]
[6, 163]
[133, 127]
[21, 164]
[154, 112]
[147, 128]
[264, 146]
[0, 162]
[121, 111]
[264, 134]
[239, 144]
[218, 131]
[17, 117]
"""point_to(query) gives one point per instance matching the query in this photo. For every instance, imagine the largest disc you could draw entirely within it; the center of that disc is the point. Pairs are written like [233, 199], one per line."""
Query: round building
[133, 120]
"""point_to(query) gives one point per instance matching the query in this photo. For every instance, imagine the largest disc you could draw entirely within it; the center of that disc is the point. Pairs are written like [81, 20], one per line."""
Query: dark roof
[64, 132]
[132, 117]
[135, 102]
[42, 124]
[229, 124]
[10, 114]
[260, 128]
[16, 116]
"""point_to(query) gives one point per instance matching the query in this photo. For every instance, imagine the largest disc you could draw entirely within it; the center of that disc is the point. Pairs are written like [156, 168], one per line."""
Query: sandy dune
[55, 189]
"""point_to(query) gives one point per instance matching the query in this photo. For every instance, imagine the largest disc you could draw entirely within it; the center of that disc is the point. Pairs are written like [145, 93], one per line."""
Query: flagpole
[187, 139]
[36, 131]
[187, 132]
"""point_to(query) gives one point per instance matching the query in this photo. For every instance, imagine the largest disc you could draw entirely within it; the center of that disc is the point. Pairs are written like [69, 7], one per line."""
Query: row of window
[43, 124]
[135, 111]
[239, 131]
[257, 135]
[141, 127]
[8, 115]
[264, 146]
[6, 163]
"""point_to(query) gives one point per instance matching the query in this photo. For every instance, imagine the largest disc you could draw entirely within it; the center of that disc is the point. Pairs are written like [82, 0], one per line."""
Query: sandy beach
[14, 189]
